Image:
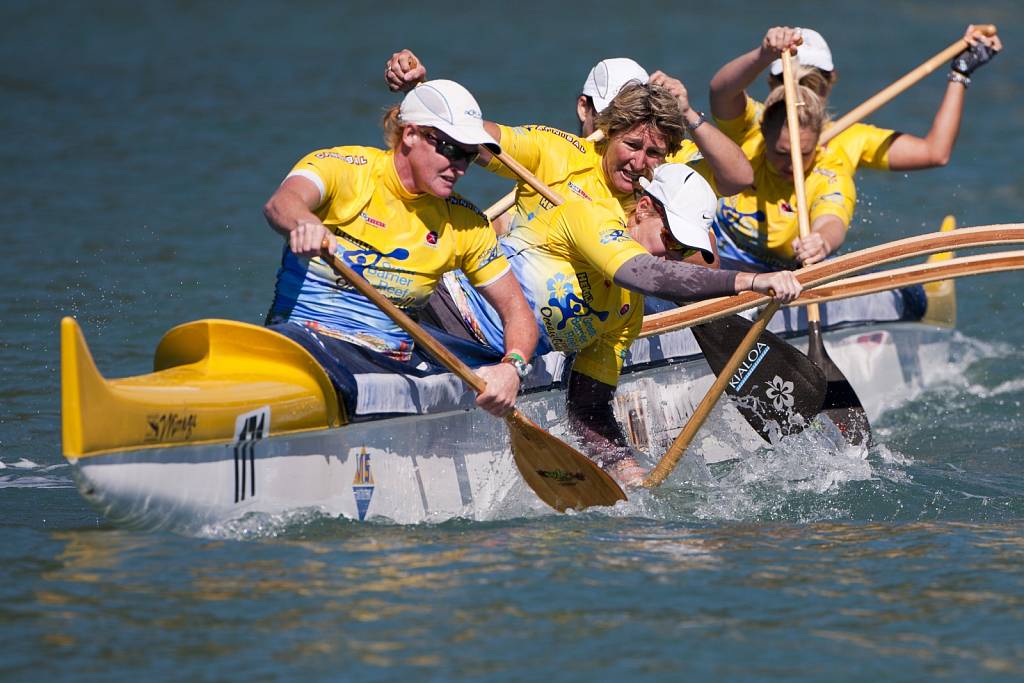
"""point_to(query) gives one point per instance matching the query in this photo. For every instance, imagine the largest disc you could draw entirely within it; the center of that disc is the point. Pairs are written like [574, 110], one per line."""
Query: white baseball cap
[689, 203]
[812, 52]
[450, 108]
[609, 76]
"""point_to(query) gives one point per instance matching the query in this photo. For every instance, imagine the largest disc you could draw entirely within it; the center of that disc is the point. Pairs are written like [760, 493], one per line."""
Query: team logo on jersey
[624, 310]
[786, 208]
[488, 256]
[564, 298]
[610, 235]
[831, 175]
[372, 221]
[363, 259]
[432, 238]
[830, 198]
[734, 221]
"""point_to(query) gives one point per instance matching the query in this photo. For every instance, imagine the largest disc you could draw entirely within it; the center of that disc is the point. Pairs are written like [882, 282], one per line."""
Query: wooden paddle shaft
[501, 206]
[675, 452]
[826, 271]
[913, 275]
[530, 179]
[885, 95]
[442, 354]
[797, 158]
[508, 201]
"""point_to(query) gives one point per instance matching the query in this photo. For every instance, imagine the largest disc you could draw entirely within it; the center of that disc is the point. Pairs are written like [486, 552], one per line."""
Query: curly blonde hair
[643, 104]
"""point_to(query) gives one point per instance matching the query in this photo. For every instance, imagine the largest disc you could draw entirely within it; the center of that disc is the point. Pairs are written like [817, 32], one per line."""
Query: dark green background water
[139, 141]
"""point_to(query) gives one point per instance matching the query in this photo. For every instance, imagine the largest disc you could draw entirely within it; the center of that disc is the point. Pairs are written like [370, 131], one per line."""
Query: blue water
[140, 140]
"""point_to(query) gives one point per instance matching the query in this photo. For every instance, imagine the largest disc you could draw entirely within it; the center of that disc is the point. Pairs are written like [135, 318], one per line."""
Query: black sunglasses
[451, 151]
[671, 243]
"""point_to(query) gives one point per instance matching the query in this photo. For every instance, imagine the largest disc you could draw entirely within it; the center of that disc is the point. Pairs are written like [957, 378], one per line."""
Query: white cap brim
[683, 229]
[693, 236]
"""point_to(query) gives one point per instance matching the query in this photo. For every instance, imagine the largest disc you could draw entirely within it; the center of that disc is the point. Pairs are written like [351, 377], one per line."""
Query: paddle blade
[777, 389]
[841, 404]
[560, 475]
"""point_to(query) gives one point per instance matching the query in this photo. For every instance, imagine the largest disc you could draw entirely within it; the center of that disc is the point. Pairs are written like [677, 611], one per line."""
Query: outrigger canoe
[236, 420]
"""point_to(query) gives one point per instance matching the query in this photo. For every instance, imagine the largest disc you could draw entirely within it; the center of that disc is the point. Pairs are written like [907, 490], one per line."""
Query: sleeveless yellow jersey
[400, 242]
[565, 266]
[758, 225]
[568, 164]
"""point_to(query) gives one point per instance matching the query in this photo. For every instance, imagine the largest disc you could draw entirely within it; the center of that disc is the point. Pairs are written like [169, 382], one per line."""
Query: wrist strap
[955, 77]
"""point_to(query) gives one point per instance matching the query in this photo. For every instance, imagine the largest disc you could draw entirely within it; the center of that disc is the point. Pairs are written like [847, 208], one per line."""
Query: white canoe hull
[457, 464]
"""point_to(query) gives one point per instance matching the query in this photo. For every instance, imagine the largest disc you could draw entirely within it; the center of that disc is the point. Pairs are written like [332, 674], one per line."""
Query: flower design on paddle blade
[780, 393]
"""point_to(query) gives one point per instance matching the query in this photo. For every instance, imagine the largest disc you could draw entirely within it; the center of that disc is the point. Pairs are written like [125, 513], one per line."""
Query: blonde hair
[818, 80]
[811, 112]
[392, 126]
[643, 104]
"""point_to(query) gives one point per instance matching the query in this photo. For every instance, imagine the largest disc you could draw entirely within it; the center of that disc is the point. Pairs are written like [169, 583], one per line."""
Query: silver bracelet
[955, 77]
[700, 122]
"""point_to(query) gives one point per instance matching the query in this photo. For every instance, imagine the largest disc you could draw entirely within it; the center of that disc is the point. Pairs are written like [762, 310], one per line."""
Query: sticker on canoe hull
[163, 427]
[249, 428]
[362, 484]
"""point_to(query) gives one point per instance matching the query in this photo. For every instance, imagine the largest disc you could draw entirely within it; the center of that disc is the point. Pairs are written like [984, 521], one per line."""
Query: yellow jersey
[758, 225]
[865, 145]
[402, 243]
[565, 266]
[568, 164]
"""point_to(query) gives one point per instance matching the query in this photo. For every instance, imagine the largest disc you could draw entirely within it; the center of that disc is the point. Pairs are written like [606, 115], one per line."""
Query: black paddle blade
[778, 390]
[841, 404]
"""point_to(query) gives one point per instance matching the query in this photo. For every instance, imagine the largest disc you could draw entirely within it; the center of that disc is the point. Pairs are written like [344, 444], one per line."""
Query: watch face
[522, 369]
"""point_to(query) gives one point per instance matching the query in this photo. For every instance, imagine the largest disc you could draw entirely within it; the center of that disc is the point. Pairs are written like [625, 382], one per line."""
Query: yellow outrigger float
[237, 420]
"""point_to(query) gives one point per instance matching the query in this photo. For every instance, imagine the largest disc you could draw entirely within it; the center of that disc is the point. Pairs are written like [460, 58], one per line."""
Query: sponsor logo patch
[355, 160]
[568, 137]
[362, 484]
[372, 221]
[576, 189]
